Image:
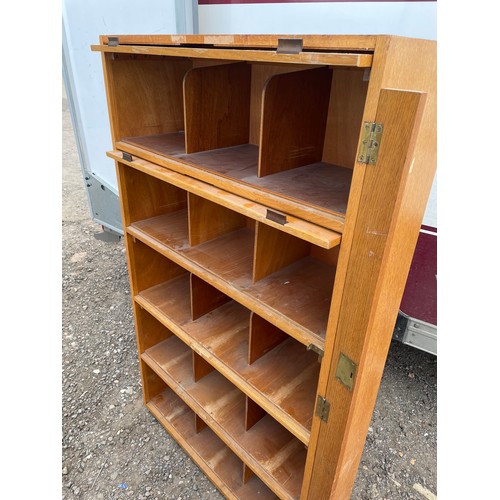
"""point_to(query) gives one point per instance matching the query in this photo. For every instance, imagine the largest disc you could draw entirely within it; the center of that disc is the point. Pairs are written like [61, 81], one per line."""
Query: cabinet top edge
[325, 42]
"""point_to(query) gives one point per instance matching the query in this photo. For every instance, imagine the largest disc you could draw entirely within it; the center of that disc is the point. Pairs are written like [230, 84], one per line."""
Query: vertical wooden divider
[247, 473]
[207, 220]
[253, 413]
[264, 336]
[293, 121]
[149, 267]
[217, 106]
[151, 331]
[204, 297]
[274, 250]
[152, 384]
[199, 423]
[200, 367]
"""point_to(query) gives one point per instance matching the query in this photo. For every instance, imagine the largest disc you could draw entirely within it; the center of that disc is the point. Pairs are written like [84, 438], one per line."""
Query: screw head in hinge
[322, 408]
[370, 142]
[346, 371]
[316, 349]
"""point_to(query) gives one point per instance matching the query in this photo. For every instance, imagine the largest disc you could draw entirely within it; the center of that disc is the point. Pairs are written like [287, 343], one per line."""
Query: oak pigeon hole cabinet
[272, 189]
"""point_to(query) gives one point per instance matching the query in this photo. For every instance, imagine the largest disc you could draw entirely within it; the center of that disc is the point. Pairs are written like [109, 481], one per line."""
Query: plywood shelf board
[287, 390]
[320, 185]
[307, 231]
[218, 462]
[296, 298]
[172, 144]
[314, 215]
[276, 456]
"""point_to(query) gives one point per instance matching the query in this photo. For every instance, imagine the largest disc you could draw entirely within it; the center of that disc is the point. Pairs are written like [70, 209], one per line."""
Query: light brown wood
[300, 228]
[302, 208]
[344, 42]
[379, 215]
[260, 74]
[263, 337]
[275, 250]
[347, 103]
[294, 112]
[152, 332]
[206, 449]
[253, 413]
[145, 97]
[225, 306]
[333, 59]
[204, 297]
[147, 196]
[217, 106]
[208, 220]
[285, 390]
[201, 367]
[275, 456]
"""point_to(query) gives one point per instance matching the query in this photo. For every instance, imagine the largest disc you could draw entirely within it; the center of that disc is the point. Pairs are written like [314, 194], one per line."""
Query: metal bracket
[322, 408]
[276, 217]
[290, 45]
[370, 142]
[113, 41]
[316, 349]
[127, 156]
[346, 371]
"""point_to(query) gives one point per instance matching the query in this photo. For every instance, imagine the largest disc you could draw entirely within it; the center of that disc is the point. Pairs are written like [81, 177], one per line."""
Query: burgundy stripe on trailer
[216, 2]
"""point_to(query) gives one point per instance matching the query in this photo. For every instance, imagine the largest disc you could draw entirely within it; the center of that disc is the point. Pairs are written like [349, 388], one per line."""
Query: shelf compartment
[285, 390]
[215, 459]
[217, 106]
[311, 232]
[303, 288]
[269, 449]
[145, 94]
[147, 197]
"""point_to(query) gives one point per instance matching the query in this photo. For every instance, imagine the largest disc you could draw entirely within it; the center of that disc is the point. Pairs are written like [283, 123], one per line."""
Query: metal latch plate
[346, 371]
[322, 408]
[127, 156]
[113, 41]
[316, 349]
[370, 142]
[276, 217]
[290, 45]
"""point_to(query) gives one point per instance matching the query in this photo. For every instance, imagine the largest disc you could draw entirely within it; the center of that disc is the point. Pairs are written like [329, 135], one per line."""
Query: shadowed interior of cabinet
[280, 128]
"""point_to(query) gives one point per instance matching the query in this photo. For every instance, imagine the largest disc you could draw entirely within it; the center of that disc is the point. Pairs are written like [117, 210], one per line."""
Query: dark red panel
[420, 295]
[215, 2]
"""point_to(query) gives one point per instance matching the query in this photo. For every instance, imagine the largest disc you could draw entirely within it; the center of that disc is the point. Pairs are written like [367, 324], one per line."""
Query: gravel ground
[114, 448]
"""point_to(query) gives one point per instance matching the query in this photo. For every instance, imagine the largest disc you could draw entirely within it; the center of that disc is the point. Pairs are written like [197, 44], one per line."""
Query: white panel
[83, 22]
[413, 19]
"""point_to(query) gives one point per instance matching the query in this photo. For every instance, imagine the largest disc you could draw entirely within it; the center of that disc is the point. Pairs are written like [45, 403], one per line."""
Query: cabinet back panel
[145, 95]
[345, 113]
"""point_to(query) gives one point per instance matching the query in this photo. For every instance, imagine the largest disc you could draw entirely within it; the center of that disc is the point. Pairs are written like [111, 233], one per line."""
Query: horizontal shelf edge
[308, 231]
[298, 430]
[289, 326]
[326, 58]
[217, 428]
[302, 211]
[191, 452]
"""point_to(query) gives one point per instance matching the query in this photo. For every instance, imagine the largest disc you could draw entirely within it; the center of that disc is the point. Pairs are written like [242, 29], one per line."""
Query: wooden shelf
[215, 459]
[285, 390]
[263, 246]
[320, 185]
[295, 298]
[272, 452]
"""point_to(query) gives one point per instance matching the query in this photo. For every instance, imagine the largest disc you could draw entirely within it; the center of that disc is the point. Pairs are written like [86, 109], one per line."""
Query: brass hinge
[322, 408]
[316, 349]
[370, 142]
